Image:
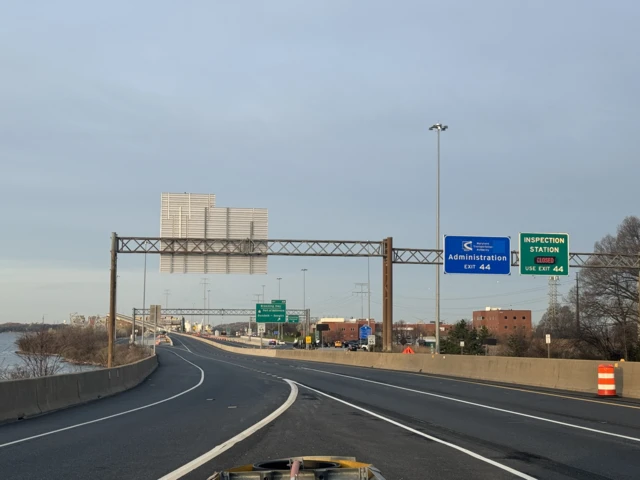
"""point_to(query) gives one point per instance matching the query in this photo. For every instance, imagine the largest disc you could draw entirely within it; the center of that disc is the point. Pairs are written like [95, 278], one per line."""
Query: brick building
[502, 322]
[345, 330]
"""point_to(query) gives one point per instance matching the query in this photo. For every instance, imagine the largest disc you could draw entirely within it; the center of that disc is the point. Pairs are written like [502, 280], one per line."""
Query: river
[9, 359]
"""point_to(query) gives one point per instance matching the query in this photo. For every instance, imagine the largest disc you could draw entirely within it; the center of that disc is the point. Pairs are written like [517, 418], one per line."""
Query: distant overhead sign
[544, 254]
[477, 255]
[271, 313]
[293, 318]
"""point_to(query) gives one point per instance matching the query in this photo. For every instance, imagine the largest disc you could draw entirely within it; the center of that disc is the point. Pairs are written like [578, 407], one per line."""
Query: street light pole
[144, 298]
[281, 325]
[304, 301]
[438, 127]
[209, 306]
[368, 292]
[263, 300]
[115, 327]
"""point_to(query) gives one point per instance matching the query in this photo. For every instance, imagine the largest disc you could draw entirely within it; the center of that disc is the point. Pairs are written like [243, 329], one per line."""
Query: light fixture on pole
[115, 324]
[280, 326]
[167, 292]
[205, 284]
[208, 306]
[368, 291]
[144, 298]
[438, 127]
[304, 300]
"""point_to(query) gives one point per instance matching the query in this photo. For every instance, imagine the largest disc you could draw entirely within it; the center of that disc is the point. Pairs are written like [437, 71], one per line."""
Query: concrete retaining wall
[29, 397]
[574, 375]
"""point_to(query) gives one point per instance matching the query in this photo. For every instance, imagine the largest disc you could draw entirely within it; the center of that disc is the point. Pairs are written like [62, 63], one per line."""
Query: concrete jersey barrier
[34, 396]
[572, 375]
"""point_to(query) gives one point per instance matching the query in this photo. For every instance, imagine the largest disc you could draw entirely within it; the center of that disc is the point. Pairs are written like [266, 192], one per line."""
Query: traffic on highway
[205, 410]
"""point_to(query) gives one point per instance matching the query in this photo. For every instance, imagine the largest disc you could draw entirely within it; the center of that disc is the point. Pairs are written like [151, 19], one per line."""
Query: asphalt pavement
[411, 426]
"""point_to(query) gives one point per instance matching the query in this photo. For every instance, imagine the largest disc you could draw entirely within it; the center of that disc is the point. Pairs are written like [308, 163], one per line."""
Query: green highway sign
[278, 302]
[271, 312]
[544, 254]
[293, 319]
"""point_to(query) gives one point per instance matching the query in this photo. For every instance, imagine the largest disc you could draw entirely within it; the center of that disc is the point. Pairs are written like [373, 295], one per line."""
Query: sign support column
[112, 298]
[387, 295]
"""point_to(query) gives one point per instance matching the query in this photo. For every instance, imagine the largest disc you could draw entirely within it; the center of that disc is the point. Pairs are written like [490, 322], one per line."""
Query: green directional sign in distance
[293, 319]
[271, 313]
[544, 254]
[284, 302]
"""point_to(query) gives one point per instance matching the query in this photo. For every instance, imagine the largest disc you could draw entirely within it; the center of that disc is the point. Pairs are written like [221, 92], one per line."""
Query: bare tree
[609, 298]
[37, 354]
[564, 326]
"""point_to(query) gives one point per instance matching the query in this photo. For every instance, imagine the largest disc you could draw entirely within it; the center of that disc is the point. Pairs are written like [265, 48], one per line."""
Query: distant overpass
[147, 325]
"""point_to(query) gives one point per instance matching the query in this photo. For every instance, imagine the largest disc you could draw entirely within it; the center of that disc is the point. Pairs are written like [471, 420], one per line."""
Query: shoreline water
[10, 356]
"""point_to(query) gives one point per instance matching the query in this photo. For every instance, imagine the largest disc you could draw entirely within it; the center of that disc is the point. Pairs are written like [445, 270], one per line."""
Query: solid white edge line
[14, 442]
[183, 344]
[511, 412]
[223, 447]
[422, 434]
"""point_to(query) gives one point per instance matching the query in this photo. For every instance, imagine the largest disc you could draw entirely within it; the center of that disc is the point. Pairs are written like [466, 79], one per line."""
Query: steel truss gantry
[321, 248]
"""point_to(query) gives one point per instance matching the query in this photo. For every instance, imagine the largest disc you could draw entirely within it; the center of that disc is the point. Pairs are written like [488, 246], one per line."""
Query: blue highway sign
[365, 331]
[477, 255]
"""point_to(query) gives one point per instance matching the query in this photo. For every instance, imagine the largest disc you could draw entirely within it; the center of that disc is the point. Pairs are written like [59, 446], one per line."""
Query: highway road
[411, 426]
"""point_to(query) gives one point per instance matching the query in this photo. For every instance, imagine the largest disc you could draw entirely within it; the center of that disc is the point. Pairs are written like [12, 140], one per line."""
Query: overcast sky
[318, 111]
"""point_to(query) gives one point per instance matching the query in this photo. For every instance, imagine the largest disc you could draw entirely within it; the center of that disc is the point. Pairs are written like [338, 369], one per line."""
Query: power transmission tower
[205, 284]
[553, 303]
[362, 293]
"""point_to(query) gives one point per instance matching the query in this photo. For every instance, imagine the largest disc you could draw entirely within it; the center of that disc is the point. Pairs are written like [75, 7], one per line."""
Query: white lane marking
[223, 447]
[234, 364]
[422, 434]
[511, 412]
[183, 344]
[116, 414]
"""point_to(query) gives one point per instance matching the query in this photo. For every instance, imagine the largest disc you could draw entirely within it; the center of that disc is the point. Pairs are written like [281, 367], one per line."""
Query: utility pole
[438, 127]
[368, 291]
[578, 303]
[280, 325]
[304, 302]
[144, 299]
[263, 300]
[256, 298]
[209, 307]
[361, 293]
[115, 328]
[205, 284]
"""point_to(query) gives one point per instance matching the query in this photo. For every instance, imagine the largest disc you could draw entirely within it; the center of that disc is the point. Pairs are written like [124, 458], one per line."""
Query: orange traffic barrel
[606, 381]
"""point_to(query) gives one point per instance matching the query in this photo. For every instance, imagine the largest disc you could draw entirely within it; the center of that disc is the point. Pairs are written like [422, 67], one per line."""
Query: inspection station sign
[544, 254]
[477, 255]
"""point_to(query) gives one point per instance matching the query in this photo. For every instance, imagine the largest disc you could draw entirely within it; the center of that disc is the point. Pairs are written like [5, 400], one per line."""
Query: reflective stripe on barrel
[606, 381]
